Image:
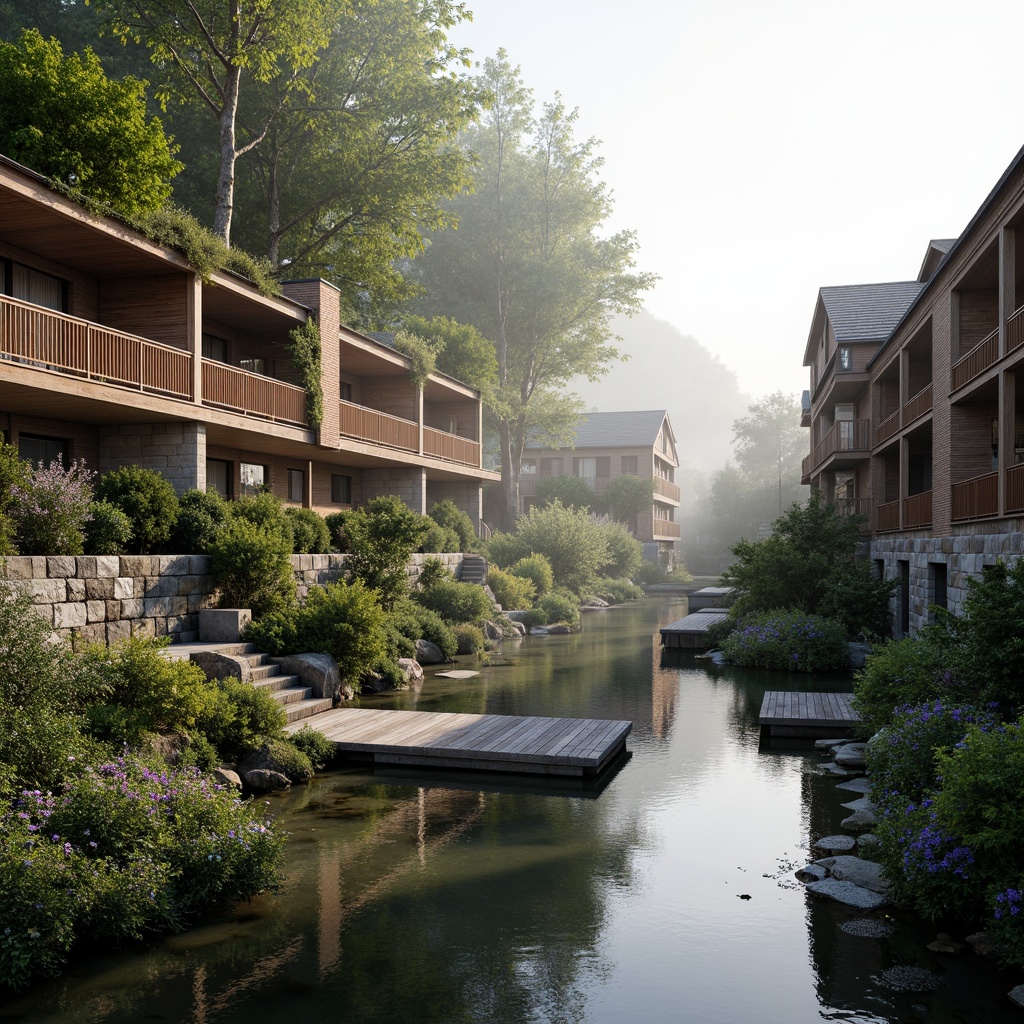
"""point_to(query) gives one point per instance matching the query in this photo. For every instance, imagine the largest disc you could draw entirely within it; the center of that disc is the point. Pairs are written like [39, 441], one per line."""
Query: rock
[982, 943]
[945, 943]
[222, 666]
[862, 804]
[867, 928]
[519, 628]
[848, 893]
[317, 671]
[458, 673]
[428, 653]
[851, 755]
[275, 756]
[865, 873]
[1017, 996]
[811, 873]
[904, 978]
[860, 819]
[835, 769]
[827, 744]
[861, 784]
[835, 844]
[371, 682]
[492, 631]
[858, 654]
[263, 780]
[226, 777]
[412, 671]
[538, 631]
[559, 629]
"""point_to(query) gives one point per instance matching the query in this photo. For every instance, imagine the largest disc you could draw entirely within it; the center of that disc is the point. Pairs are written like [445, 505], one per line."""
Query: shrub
[625, 552]
[13, 473]
[409, 621]
[108, 530]
[279, 755]
[343, 620]
[449, 516]
[571, 540]
[456, 602]
[628, 495]
[504, 549]
[558, 606]
[618, 591]
[433, 571]
[315, 745]
[266, 511]
[470, 639]
[537, 569]
[51, 508]
[717, 631]
[201, 514]
[511, 591]
[240, 718]
[147, 499]
[651, 572]
[570, 491]
[310, 535]
[381, 537]
[788, 641]
[438, 538]
[335, 523]
[252, 567]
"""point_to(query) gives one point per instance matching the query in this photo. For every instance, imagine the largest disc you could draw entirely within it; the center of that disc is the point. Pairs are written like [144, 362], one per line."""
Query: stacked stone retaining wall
[106, 598]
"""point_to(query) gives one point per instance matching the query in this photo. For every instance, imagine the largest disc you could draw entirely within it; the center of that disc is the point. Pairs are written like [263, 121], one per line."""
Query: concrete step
[307, 708]
[275, 683]
[264, 671]
[292, 694]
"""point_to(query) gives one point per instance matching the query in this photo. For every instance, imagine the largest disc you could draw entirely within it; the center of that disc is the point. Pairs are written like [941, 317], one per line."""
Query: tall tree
[63, 117]
[770, 443]
[528, 266]
[357, 162]
[207, 48]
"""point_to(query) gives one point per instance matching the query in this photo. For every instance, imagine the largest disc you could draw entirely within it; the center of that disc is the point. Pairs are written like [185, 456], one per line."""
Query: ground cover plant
[787, 641]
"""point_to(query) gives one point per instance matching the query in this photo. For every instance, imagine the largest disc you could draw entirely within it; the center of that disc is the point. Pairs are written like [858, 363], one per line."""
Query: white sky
[763, 148]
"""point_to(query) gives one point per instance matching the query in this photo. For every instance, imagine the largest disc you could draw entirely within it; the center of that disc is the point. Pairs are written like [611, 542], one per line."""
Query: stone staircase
[297, 700]
[474, 569]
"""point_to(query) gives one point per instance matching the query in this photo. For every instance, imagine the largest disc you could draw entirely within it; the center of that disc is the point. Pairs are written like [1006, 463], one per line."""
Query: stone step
[307, 708]
[292, 694]
[265, 671]
[256, 659]
[275, 683]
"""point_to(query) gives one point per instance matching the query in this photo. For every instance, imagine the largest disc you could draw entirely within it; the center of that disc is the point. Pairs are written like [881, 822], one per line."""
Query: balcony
[666, 488]
[917, 511]
[364, 424]
[889, 426]
[252, 394]
[1014, 489]
[847, 508]
[887, 517]
[977, 498]
[977, 361]
[450, 447]
[1015, 330]
[665, 530]
[63, 344]
[847, 436]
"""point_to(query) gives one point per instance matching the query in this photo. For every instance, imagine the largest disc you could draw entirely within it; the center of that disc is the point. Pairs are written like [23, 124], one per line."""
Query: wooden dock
[690, 632]
[710, 597]
[505, 743]
[807, 715]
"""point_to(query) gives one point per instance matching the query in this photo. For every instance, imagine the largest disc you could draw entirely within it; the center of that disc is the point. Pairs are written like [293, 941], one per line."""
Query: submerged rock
[865, 873]
[905, 978]
[867, 928]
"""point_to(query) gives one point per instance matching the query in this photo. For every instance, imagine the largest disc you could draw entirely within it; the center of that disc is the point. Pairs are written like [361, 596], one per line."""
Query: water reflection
[447, 897]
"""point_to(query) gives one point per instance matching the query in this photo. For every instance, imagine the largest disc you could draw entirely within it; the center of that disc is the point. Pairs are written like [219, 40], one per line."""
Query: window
[43, 449]
[341, 489]
[550, 467]
[529, 467]
[254, 478]
[346, 391]
[296, 485]
[253, 365]
[629, 465]
[218, 477]
[939, 585]
[592, 469]
[33, 286]
[215, 348]
[844, 359]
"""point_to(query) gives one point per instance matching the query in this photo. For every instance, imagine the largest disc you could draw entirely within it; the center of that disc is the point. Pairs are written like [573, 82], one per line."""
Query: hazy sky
[763, 149]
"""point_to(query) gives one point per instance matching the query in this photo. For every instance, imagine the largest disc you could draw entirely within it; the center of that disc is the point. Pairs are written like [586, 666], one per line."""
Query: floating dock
[710, 597]
[504, 743]
[690, 632]
[807, 715]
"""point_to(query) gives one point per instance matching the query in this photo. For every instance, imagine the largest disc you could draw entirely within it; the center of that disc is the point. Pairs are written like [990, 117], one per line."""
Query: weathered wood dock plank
[517, 743]
[691, 631]
[799, 713]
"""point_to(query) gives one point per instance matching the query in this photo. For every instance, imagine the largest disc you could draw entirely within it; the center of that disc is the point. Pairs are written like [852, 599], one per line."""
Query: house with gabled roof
[611, 444]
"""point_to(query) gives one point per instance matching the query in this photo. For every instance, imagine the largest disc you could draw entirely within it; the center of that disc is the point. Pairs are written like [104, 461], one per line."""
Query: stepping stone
[858, 785]
[457, 673]
[836, 844]
[848, 894]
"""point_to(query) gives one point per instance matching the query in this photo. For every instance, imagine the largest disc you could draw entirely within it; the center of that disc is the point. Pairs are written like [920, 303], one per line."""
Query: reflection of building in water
[664, 692]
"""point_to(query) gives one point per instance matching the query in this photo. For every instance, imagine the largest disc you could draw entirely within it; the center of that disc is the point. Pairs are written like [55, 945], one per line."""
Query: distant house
[612, 444]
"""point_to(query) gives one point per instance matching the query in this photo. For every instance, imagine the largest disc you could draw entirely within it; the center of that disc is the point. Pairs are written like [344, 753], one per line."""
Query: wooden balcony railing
[976, 498]
[379, 427]
[845, 436]
[1014, 488]
[887, 517]
[663, 529]
[450, 447]
[889, 426]
[918, 405]
[252, 394]
[65, 344]
[917, 510]
[666, 488]
[977, 361]
[849, 507]
[1015, 330]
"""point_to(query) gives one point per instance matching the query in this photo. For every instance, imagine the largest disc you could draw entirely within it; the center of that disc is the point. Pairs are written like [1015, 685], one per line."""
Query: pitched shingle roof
[868, 312]
[616, 429]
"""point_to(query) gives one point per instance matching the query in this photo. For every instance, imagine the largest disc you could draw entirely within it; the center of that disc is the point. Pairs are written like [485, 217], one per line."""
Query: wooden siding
[152, 306]
[917, 510]
[887, 517]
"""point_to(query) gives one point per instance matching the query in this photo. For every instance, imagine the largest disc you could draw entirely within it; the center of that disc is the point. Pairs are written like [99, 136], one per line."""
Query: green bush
[511, 591]
[381, 537]
[409, 621]
[570, 491]
[315, 745]
[470, 639]
[438, 538]
[108, 530]
[625, 552]
[788, 641]
[628, 495]
[572, 541]
[281, 755]
[717, 631]
[252, 567]
[147, 499]
[13, 473]
[560, 606]
[456, 602]
[449, 516]
[240, 718]
[504, 549]
[310, 535]
[433, 571]
[335, 523]
[50, 509]
[145, 692]
[343, 620]
[265, 510]
[618, 591]
[201, 514]
[537, 569]
[651, 572]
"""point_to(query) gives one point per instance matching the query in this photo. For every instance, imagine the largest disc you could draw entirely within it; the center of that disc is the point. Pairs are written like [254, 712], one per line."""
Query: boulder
[559, 629]
[226, 777]
[835, 844]
[865, 873]
[851, 755]
[848, 893]
[811, 873]
[858, 654]
[317, 671]
[412, 671]
[860, 820]
[864, 803]
[428, 653]
[861, 784]
[519, 628]
[982, 943]
[868, 839]
[493, 630]
[1017, 996]
[945, 943]
[263, 780]
[222, 666]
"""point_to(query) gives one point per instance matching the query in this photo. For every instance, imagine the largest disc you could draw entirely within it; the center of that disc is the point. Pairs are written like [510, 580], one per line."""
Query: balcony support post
[1007, 430]
[194, 333]
[905, 395]
[904, 476]
[1007, 296]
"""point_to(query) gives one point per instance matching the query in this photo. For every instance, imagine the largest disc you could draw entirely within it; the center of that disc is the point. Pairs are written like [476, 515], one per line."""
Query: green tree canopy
[64, 118]
[629, 495]
[571, 491]
[529, 267]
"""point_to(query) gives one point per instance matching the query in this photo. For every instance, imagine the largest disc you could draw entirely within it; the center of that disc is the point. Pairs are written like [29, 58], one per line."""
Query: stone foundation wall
[964, 557]
[177, 451]
[106, 598]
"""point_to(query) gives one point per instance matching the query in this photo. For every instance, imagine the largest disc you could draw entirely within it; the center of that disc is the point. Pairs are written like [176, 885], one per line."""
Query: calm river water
[425, 898]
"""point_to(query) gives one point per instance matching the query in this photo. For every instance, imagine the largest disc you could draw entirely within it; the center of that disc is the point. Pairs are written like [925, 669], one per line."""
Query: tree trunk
[509, 478]
[273, 208]
[226, 178]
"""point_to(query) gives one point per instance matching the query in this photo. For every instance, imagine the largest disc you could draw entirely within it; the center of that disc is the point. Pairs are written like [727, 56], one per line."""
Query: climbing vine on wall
[305, 350]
